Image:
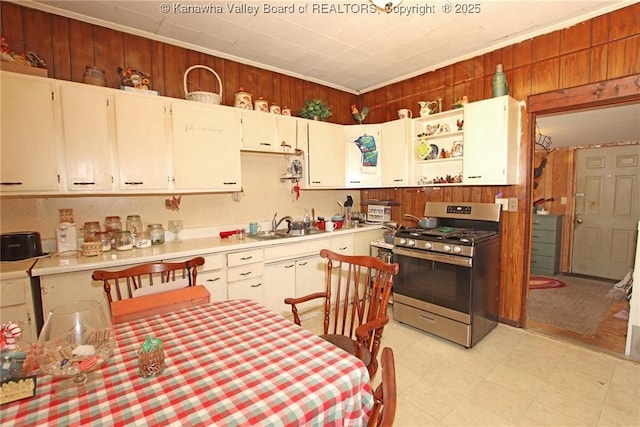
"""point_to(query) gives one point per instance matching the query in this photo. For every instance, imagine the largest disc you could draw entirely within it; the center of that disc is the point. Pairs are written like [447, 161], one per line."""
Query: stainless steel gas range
[449, 278]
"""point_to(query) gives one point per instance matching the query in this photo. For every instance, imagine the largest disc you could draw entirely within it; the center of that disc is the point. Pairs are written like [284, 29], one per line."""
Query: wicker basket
[200, 96]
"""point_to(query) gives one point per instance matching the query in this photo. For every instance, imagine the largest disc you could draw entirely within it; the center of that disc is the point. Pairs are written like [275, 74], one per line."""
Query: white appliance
[67, 237]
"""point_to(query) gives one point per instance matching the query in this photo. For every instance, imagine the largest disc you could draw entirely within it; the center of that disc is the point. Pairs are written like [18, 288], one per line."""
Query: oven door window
[435, 282]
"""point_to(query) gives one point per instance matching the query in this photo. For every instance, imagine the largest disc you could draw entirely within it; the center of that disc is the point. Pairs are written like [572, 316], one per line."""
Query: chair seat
[348, 345]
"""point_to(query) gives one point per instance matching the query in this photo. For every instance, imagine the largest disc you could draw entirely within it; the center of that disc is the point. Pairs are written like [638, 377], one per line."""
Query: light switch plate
[513, 204]
[504, 202]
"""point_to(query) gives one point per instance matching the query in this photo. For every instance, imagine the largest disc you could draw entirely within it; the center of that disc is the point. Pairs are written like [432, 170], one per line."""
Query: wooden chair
[384, 397]
[356, 295]
[140, 279]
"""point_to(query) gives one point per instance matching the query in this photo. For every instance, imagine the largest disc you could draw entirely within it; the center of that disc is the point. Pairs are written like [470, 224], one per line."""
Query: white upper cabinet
[142, 129]
[268, 132]
[395, 142]
[29, 163]
[325, 155]
[206, 147]
[87, 127]
[362, 156]
[491, 141]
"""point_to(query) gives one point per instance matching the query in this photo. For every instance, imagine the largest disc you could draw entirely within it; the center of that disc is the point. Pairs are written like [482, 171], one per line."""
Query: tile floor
[513, 377]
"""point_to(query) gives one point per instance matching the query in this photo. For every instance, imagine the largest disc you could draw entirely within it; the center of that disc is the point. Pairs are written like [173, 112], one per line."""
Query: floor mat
[578, 306]
[541, 282]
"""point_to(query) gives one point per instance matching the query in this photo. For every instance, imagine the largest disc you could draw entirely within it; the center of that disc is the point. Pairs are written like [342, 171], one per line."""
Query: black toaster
[20, 245]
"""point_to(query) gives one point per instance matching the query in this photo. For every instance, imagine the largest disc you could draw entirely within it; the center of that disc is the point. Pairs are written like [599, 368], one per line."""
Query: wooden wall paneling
[502, 56]
[545, 75]
[175, 64]
[37, 33]
[12, 25]
[156, 53]
[437, 79]
[248, 80]
[600, 30]
[546, 46]
[82, 48]
[284, 92]
[232, 81]
[623, 58]
[520, 84]
[574, 68]
[522, 53]
[265, 81]
[625, 22]
[598, 63]
[109, 51]
[60, 62]
[575, 38]
[464, 71]
[138, 55]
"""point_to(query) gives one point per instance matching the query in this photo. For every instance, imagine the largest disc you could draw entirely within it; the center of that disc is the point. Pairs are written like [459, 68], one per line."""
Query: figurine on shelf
[134, 78]
[460, 102]
[460, 124]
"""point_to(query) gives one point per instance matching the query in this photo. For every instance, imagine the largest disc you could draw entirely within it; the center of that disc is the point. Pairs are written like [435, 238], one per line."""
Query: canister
[123, 241]
[142, 239]
[243, 100]
[134, 223]
[89, 231]
[157, 233]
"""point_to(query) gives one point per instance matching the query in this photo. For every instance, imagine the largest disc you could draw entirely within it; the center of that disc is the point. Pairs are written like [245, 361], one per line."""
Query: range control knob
[457, 249]
[446, 248]
[411, 242]
[428, 245]
[402, 241]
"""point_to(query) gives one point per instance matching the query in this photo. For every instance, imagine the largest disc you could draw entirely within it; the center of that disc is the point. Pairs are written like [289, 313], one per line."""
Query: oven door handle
[430, 256]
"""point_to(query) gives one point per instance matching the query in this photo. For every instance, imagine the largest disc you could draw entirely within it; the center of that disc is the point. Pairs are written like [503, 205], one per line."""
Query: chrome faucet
[275, 223]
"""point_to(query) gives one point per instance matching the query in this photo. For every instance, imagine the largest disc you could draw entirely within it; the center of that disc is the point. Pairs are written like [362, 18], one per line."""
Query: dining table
[228, 363]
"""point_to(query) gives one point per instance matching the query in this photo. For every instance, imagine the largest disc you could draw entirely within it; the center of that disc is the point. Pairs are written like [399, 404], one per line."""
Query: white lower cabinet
[280, 283]
[16, 305]
[310, 278]
[58, 289]
[245, 272]
[214, 277]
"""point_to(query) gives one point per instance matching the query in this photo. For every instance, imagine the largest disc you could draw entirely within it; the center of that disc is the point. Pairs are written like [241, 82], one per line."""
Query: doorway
[604, 181]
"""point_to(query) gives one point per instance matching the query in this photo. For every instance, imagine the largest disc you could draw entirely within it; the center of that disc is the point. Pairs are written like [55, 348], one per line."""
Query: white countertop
[57, 264]
[15, 269]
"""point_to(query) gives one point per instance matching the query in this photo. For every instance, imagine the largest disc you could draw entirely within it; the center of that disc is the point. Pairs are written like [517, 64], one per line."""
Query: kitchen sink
[283, 234]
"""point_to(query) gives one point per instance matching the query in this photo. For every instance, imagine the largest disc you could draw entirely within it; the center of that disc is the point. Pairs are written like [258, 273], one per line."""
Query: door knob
[578, 220]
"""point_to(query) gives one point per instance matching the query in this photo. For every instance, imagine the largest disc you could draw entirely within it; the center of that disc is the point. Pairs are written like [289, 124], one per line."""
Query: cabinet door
[16, 305]
[310, 278]
[247, 289]
[280, 283]
[215, 282]
[87, 133]
[29, 157]
[491, 139]
[206, 147]
[259, 131]
[362, 156]
[395, 140]
[287, 133]
[142, 143]
[326, 160]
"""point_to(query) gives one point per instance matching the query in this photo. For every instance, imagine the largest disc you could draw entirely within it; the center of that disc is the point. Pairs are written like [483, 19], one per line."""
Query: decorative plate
[456, 150]
[423, 150]
[434, 151]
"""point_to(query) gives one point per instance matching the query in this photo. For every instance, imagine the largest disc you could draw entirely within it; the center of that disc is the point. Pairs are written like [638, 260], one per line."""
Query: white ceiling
[349, 46]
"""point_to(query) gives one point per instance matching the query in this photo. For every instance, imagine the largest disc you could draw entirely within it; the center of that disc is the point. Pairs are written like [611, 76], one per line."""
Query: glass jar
[142, 239]
[112, 224]
[66, 215]
[105, 238]
[134, 223]
[157, 233]
[123, 241]
[89, 231]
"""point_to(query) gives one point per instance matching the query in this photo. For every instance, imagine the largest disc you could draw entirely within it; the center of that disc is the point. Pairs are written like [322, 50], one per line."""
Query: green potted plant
[315, 109]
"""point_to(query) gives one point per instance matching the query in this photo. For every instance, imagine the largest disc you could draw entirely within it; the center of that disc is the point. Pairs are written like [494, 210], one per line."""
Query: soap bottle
[500, 87]
[307, 219]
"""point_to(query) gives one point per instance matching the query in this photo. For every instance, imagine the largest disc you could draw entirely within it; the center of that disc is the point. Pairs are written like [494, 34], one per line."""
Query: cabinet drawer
[215, 282]
[247, 289]
[295, 250]
[245, 257]
[213, 262]
[342, 245]
[12, 292]
[545, 222]
[243, 272]
[543, 236]
[546, 249]
[544, 262]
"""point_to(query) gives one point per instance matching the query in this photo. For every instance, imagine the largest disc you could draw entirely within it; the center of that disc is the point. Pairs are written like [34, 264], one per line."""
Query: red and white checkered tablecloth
[232, 363]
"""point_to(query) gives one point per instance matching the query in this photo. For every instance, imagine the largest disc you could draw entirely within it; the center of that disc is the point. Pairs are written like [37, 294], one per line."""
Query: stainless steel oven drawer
[432, 323]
